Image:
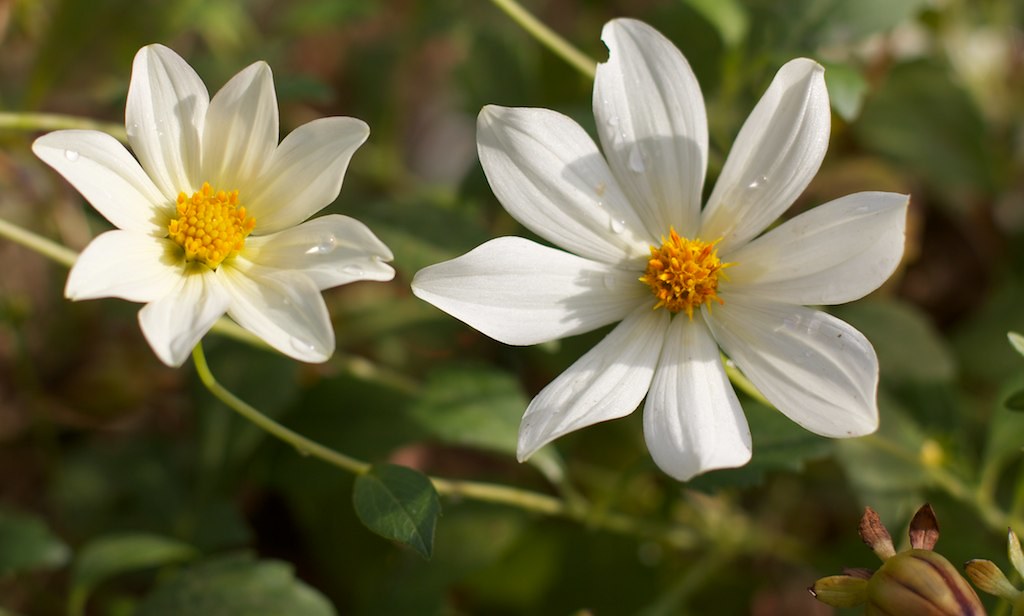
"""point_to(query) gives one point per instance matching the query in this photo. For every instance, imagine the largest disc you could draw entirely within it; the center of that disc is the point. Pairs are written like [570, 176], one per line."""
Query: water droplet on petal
[353, 270]
[300, 346]
[613, 121]
[325, 245]
[636, 160]
[617, 226]
[758, 183]
[71, 155]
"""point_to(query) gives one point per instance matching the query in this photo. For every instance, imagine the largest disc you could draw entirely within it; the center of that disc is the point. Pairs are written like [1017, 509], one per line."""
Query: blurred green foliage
[99, 442]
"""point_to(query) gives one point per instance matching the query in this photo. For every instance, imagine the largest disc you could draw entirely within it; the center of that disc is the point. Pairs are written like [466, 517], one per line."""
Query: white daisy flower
[683, 281]
[210, 217]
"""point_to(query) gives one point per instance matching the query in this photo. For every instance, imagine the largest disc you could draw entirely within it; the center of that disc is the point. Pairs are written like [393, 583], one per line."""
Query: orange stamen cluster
[211, 226]
[683, 274]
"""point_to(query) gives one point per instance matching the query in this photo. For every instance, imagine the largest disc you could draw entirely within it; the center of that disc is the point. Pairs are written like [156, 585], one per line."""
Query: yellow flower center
[683, 273]
[211, 226]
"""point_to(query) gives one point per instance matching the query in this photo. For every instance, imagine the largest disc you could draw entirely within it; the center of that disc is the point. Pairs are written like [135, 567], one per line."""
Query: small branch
[33, 241]
[55, 121]
[548, 37]
[302, 444]
[535, 502]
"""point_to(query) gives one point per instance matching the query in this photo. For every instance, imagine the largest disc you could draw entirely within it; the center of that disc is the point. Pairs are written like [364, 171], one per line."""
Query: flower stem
[302, 444]
[55, 121]
[676, 535]
[33, 241]
[548, 37]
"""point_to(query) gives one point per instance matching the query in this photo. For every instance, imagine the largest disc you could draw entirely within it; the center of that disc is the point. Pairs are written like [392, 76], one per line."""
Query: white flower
[210, 217]
[683, 281]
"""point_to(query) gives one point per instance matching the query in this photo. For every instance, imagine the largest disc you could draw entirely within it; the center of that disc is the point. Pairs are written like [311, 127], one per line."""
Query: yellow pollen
[211, 226]
[683, 273]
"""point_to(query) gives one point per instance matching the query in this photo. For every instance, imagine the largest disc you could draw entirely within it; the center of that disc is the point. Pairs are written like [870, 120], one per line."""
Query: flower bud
[923, 583]
[917, 581]
[989, 578]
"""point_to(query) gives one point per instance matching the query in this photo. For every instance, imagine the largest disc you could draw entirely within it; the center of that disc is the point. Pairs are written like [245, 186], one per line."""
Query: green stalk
[548, 37]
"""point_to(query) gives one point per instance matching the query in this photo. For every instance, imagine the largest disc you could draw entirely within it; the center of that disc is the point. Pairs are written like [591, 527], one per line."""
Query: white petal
[332, 250]
[520, 292]
[164, 116]
[241, 130]
[132, 266]
[108, 177]
[775, 156]
[305, 172]
[283, 308]
[819, 371]
[653, 127]
[549, 175]
[175, 323]
[693, 422]
[608, 382]
[834, 253]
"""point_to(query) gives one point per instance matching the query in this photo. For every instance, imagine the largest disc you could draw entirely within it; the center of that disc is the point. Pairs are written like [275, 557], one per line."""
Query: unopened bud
[917, 581]
[990, 579]
[923, 583]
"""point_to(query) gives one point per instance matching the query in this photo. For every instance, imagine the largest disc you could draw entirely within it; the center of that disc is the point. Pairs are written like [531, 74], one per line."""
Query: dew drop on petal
[617, 226]
[325, 245]
[300, 346]
[71, 155]
[353, 270]
[758, 183]
[636, 160]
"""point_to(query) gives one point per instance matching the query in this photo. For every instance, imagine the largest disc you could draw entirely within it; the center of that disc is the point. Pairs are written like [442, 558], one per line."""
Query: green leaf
[479, 407]
[1016, 401]
[885, 467]
[908, 347]
[235, 586]
[846, 89]
[779, 445]
[398, 503]
[113, 555]
[899, 121]
[729, 17]
[27, 543]
[1005, 426]
[803, 25]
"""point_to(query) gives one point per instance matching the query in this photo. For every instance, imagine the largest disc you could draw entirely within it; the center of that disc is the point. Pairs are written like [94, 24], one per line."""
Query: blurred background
[98, 439]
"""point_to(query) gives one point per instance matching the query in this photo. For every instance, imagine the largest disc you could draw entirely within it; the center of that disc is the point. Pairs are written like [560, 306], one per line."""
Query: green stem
[548, 37]
[302, 444]
[55, 121]
[33, 241]
[543, 504]
[62, 255]
[994, 517]
[741, 381]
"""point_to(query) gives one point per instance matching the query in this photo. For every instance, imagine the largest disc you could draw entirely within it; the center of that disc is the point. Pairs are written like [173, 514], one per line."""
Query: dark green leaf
[908, 347]
[235, 586]
[1016, 401]
[113, 555]
[885, 468]
[729, 17]
[479, 407]
[846, 89]
[1006, 426]
[27, 543]
[900, 121]
[779, 445]
[400, 504]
